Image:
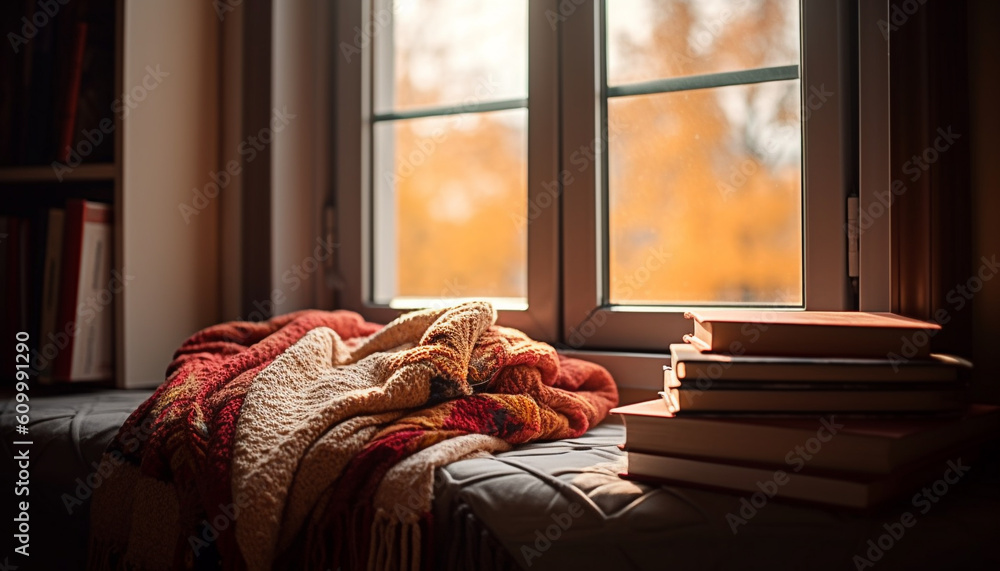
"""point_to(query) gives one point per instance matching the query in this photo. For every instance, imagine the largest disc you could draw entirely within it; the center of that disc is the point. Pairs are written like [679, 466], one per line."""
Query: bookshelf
[162, 143]
[45, 174]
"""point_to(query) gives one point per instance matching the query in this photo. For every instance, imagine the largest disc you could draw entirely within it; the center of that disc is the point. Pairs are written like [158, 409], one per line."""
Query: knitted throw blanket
[310, 441]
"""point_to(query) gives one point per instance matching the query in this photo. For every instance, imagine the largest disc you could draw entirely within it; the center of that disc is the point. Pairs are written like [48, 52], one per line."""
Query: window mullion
[825, 154]
[580, 111]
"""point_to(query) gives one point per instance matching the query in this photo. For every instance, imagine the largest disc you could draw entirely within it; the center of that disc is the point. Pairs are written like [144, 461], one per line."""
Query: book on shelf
[13, 305]
[57, 83]
[94, 112]
[17, 264]
[72, 93]
[850, 444]
[51, 281]
[842, 489]
[4, 268]
[783, 400]
[84, 318]
[690, 365]
[810, 333]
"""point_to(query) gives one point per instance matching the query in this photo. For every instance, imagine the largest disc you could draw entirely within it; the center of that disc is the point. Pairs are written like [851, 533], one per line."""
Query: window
[450, 145]
[595, 167]
[704, 161]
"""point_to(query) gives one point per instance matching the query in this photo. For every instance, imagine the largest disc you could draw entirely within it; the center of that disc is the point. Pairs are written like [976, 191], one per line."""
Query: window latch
[853, 239]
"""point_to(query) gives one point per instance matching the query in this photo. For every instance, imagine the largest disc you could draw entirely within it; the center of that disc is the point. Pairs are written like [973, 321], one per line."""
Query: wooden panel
[256, 230]
[231, 133]
[929, 152]
[169, 146]
[298, 118]
[875, 182]
[984, 73]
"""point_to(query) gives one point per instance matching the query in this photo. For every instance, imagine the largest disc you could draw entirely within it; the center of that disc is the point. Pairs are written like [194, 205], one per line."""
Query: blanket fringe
[99, 556]
[106, 556]
[394, 544]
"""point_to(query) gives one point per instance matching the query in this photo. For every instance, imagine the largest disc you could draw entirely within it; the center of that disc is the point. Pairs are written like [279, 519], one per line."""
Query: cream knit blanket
[324, 401]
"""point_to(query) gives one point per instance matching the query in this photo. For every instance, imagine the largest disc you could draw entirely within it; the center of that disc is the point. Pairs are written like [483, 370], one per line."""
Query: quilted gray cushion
[525, 500]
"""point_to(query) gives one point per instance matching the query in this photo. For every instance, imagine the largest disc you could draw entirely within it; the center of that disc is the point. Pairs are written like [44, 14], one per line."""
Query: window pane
[654, 39]
[450, 206]
[449, 52]
[705, 201]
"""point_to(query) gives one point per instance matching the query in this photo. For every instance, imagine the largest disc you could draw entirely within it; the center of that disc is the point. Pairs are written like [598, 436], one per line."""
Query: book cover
[72, 95]
[50, 290]
[693, 365]
[813, 401]
[839, 442]
[85, 307]
[811, 485]
[811, 334]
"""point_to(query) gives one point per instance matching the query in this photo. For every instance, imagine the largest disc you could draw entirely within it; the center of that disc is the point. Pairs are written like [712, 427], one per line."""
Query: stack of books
[840, 408]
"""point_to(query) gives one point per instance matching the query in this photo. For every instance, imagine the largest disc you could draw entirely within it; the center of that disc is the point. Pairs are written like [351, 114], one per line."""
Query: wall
[984, 71]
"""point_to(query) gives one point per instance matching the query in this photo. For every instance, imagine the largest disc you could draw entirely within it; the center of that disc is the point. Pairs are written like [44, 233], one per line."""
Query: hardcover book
[811, 334]
[836, 442]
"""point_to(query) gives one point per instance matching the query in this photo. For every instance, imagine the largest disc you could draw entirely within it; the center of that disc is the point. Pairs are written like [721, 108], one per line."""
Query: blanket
[311, 440]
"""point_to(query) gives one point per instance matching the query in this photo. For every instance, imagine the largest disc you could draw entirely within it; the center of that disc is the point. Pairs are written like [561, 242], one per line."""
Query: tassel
[415, 565]
[404, 537]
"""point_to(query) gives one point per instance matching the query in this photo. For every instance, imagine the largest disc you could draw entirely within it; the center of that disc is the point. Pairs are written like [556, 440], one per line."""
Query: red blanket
[431, 386]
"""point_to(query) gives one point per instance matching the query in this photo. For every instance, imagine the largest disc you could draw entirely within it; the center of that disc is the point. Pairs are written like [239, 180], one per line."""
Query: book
[22, 136]
[85, 302]
[72, 94]
[10, 13]
[17, 261]
[4, 267]
[859, 491]
[805, 386]
[690, 365]
[39, 110]
[50, 289]
[96, 85]
[811, 334]
[771, 400]
[13, 301]
[865, 445]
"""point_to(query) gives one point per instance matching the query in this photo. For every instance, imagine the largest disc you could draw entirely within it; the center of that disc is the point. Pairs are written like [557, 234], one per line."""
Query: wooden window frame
[565, 239]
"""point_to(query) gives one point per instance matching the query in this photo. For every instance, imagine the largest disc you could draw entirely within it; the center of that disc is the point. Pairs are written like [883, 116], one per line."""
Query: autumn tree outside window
[593, 167]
